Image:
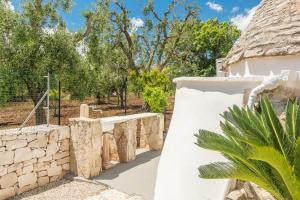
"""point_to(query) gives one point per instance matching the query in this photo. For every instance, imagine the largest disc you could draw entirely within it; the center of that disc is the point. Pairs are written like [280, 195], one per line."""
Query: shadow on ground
[122, 167]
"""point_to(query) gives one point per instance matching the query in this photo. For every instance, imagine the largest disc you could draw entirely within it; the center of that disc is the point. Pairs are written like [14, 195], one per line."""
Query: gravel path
[63, 190]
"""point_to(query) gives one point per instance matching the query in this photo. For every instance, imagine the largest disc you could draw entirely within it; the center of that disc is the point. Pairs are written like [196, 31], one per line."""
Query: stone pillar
[153, 128]
[86, 147]
[106, 146]
[125, 135]
[84, 111]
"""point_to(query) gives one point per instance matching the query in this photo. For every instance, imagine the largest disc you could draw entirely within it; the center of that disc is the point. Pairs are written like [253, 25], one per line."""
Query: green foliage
[155, 86]
[201, 45]
[156, 98]
[259, 148]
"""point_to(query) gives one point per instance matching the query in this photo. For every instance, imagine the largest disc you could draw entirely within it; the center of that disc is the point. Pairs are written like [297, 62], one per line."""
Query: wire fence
[19, 99]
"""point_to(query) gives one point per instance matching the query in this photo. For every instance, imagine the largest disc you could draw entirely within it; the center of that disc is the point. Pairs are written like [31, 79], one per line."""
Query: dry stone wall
[32, 157]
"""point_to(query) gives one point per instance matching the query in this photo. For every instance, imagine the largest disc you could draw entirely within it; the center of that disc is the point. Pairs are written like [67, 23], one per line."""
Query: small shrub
[259, 148]
[156, 98]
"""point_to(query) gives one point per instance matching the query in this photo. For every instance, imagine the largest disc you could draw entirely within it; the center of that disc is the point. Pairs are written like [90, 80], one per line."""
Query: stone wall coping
[108, 122]
[78, 119]
[219, 79]
[29, 129]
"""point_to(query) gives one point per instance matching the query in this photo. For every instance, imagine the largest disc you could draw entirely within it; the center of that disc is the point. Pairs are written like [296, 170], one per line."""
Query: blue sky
[237, 11]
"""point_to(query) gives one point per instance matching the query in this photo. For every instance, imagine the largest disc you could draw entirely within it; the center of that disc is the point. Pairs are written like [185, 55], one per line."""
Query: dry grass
[13, 114]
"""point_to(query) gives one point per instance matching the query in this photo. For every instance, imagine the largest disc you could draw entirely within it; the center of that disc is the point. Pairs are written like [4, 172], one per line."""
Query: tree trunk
[122, 98]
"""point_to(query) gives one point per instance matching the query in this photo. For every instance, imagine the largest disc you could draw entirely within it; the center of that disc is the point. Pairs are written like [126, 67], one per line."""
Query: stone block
[41, 166]
[45, 159]
[85, 147]
[52, 149]
[14, 167]
[9, 137]
[31, 137]
[28, 169]
[63, 161]
[64, 145]
[66, 166]
[84, 111]
[43, 181]
[27, 179]
[60, 155]
[152, 128]
[3, 170]
[27, 188]
[125, 135]
[15, 144]
[40, 142]
[54, 171]
[22, 154]
[64, 133]
[30, 162]
[7, 157]
[8, 192]
[38, 153]
[8, 180]
[53, 136]
[56, 178]
[42, 173]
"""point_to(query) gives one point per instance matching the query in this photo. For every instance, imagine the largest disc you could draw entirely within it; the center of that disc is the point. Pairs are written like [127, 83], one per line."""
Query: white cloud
[136, 23]
[214, 6]
[235, 9]
[242, 21]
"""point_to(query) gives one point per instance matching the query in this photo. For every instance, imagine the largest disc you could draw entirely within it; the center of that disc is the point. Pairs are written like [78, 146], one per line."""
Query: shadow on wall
[122, 167]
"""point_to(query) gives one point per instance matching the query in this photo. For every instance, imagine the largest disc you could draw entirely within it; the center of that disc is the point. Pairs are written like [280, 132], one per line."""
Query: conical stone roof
[273, 31]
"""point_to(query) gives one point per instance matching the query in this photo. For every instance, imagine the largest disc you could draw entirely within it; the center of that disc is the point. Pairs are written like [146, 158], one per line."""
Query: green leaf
[222, 170]
[275, 159]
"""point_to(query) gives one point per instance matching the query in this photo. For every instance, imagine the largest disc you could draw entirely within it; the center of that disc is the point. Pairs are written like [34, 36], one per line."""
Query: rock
[63, 161]
[86, 145]
[61, 155]
[40, 142]
[3, 170]
[30, 162]
[7, 157]
[42, 173]
[64, 133]
[53, 136]
[27, 179]
[52, 149]
[84, 111]
[152, 128]
[14, 167]
[66, 166]
[22, 154]
[8, 180]
[28, 169]
[125, 135]
[41, 166]
[38, 153]
[9, 137]
[236, 195]
[43, 181]
[30, 137]
[6, 193]
[45, 159]
[15, 144]
[64, 145]
[27, 188]
[54, 171]
[55, 178]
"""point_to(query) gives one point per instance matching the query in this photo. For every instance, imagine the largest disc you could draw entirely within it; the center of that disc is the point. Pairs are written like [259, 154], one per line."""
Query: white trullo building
[265, 60]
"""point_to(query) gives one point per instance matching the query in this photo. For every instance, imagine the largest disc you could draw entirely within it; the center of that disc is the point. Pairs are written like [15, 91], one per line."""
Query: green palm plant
[259, 148]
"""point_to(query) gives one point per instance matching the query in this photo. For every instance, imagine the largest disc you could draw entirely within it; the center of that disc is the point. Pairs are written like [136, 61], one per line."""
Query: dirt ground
[13, 114]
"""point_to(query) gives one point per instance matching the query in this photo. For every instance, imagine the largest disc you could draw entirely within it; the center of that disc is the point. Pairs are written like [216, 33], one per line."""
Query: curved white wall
[265, 66]
[198, 105]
